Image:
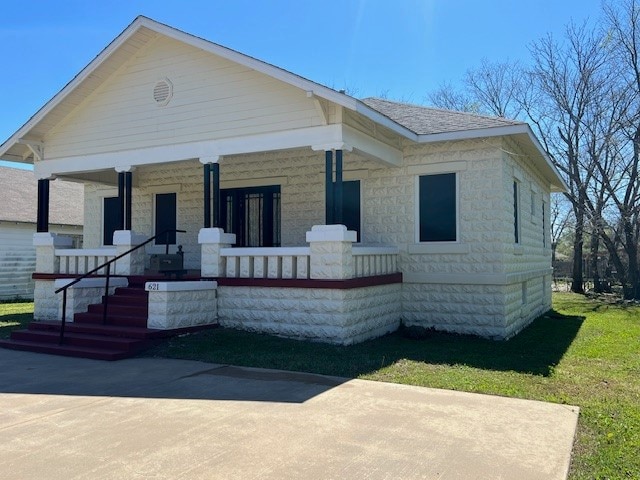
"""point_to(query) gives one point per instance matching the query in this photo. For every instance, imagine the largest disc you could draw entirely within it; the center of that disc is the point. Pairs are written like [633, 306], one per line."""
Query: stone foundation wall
[47, 304]
[468, 309]
[328, 315]
[181, 304]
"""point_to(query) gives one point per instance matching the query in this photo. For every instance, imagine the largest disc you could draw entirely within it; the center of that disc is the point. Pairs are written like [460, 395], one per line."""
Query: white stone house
[18, 224]
[446, 213]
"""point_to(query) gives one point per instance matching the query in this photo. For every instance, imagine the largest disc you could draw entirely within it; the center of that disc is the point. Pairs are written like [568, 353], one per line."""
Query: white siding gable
[212, 98]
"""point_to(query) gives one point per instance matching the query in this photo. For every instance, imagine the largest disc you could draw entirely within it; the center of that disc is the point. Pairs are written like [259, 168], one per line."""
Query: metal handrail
[107, 264]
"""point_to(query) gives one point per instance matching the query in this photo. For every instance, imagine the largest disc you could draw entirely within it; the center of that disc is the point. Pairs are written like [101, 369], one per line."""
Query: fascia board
[473, 133]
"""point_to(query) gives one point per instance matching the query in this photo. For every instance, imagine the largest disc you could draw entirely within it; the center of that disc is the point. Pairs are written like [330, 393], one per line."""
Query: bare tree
[496, 87]
[447, 97]
[623, 30]
[564, 85]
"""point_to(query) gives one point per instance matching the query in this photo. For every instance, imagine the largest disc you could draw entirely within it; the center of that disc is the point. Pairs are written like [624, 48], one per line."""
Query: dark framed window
[351, 209]
[253, 214]
[516, 213]
[110, 219]
[165, 218]
[544, 227]
[438, 208]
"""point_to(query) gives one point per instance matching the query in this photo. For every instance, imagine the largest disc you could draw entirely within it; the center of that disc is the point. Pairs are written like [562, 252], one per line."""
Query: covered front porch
[267, 228]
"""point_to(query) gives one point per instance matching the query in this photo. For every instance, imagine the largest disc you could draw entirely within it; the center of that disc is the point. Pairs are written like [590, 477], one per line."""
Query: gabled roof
[141, 31]
[18, 197]
[423, 120]
[416, 123]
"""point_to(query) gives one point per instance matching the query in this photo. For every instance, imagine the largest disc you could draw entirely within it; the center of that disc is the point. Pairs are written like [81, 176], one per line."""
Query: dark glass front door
[253, 214]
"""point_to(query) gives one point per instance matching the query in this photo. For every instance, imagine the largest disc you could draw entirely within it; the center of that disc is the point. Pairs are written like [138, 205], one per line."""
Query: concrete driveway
[64, 418]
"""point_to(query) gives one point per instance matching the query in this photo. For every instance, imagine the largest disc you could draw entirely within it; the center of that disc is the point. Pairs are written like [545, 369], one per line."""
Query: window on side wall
[438, 208]
[516, 211]
[544, 226]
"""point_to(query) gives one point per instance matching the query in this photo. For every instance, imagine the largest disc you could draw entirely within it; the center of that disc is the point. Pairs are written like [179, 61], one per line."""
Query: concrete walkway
[64, 418]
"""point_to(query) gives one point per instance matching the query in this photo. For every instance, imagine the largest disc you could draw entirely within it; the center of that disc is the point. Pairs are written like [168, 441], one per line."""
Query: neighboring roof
[19, 198]
[426, 120]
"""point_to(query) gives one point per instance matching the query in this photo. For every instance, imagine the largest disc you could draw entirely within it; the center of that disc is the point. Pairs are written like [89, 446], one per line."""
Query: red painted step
[122, 320]
[127, 300]
[134, 310]
[100, 329]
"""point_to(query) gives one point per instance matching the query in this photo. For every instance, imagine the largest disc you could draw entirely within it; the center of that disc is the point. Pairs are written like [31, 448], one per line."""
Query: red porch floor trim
[312, 283]
[349, 283]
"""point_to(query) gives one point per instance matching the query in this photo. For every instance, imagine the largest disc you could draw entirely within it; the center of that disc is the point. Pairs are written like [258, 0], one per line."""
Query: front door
[253, 214]
[110, 219]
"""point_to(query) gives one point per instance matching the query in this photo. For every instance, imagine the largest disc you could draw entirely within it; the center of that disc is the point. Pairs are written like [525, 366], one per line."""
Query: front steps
[123, 335]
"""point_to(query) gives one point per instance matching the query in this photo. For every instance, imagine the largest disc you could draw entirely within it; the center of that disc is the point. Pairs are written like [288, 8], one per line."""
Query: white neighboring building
[18, 190]
[447, 211]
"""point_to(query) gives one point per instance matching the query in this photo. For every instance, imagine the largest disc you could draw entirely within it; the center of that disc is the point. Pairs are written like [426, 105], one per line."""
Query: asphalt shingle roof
[19, 198]
[426, 120]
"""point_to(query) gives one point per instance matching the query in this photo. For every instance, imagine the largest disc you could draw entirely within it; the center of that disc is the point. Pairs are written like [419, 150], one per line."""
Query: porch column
[42, 222]
[212, 241]
[328, 187]
[125, 190]
[331, 252]
[132, 264]
[337, 191]
[211, 180]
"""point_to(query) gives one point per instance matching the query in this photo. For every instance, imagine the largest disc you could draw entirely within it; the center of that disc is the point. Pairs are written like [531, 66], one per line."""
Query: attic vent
[162, 92]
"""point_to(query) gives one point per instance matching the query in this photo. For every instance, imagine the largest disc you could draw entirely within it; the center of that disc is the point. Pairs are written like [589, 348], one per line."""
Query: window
[351, 206]
[516, 216]
[544, 227]
[165, 218]
[533, 205]
[437, 208]
[110, 219]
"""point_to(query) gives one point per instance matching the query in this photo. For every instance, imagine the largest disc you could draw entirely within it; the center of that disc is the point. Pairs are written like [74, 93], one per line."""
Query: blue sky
[400, 48]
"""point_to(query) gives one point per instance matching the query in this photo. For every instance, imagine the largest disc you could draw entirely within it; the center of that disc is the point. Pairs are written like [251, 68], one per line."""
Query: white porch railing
[294, 262]
[267, 262]
[79, 261]
[369, 261]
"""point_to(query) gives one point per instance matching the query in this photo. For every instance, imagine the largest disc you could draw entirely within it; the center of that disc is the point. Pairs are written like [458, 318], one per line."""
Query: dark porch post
[215, 167]
[125, 193]
[42, 223]
[128, 191]
[207, 195]
[338, 189]
[328, 185]
[121, 201]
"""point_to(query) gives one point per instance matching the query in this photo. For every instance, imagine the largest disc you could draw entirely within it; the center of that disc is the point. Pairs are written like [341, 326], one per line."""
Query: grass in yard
[13, 316]
[585, 353]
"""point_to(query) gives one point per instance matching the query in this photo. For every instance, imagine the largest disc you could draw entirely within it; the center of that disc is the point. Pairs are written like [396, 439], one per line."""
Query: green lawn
[14, 315]
[585, 353]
